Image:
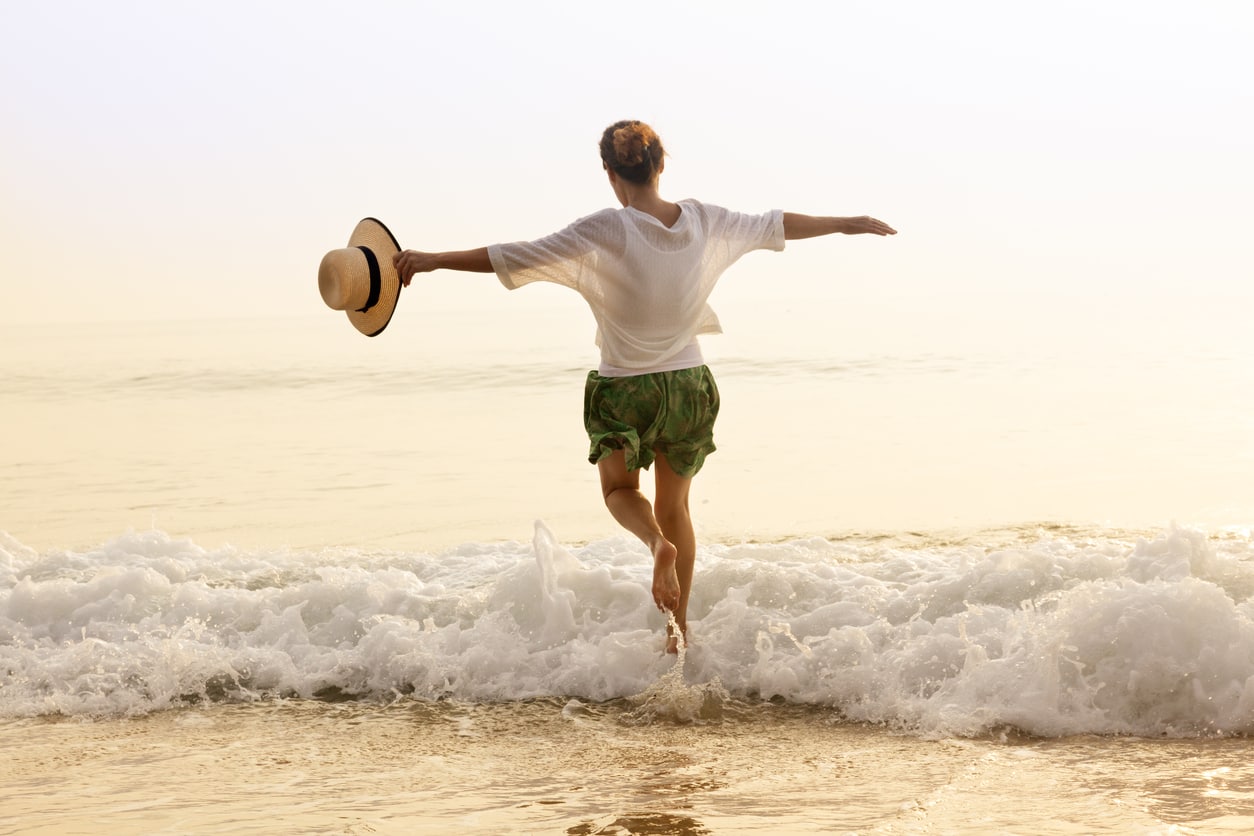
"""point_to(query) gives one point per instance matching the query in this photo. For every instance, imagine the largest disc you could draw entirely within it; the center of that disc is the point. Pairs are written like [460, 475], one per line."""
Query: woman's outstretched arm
[409, 262]
[810, 226]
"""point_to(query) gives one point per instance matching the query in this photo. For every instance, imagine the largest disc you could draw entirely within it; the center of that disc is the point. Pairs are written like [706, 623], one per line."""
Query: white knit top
[647, 284]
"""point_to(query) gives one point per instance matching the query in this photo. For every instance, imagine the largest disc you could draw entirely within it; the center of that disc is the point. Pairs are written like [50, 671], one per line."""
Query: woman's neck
[644, 197]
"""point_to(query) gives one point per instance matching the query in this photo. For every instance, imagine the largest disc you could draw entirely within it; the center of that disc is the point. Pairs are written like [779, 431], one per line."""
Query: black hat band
[376, 280]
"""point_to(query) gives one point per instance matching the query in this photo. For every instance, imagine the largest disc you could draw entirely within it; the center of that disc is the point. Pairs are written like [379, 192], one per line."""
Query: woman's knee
[615, 476]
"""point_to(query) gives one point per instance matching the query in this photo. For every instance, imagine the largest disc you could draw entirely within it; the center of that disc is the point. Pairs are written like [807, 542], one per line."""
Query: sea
[961, 569]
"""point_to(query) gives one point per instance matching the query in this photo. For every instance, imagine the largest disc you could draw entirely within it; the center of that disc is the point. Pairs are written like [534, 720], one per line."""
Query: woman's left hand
[864, 225]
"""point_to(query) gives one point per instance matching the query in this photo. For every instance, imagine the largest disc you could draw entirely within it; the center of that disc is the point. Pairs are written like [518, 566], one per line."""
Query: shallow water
[551, 767]
[457, 427]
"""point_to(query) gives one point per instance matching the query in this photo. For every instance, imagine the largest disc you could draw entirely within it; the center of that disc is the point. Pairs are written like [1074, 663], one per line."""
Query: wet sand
[549, 767]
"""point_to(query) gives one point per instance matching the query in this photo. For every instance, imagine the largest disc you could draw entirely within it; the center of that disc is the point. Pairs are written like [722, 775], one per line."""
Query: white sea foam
[1077, 632]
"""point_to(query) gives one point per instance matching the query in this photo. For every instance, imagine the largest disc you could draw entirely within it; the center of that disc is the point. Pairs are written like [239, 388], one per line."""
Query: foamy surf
[1063, 633]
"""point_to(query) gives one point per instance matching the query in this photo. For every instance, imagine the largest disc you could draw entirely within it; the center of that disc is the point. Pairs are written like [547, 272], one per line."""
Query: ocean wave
[1061, 633]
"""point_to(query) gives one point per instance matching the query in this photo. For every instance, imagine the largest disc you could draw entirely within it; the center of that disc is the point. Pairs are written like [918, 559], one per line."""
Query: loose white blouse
[647, 284]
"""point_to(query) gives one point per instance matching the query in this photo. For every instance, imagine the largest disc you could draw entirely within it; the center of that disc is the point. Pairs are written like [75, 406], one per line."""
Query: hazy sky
[171, 159]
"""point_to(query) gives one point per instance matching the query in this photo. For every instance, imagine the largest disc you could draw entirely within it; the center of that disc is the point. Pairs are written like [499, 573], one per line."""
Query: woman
[646, 270]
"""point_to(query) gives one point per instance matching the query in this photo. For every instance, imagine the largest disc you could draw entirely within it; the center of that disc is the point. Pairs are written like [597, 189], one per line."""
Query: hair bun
[632, 150]
[631, 144]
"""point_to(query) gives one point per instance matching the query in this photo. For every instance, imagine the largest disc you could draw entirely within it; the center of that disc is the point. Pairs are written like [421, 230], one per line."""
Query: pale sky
[175, 159]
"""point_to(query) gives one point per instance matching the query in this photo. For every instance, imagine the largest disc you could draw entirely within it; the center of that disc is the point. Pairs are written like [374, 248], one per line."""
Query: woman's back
[646, 283]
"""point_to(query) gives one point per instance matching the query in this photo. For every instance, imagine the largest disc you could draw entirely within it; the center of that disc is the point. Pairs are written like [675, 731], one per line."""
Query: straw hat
[361, 278]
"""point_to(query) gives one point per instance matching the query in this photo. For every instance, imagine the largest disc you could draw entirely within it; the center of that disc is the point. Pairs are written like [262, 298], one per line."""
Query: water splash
[671, 698]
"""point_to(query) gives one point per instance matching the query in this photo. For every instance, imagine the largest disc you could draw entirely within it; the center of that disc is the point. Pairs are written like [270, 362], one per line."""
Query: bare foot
[665, 581]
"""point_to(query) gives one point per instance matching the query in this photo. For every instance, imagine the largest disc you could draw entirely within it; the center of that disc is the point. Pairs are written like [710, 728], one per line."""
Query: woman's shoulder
[599, 219]
[711, 215]
[602, 228]
[715, 212]
[705, 210]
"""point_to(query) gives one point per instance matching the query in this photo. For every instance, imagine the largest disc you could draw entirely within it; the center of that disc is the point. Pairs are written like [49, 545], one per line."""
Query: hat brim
[374, 236]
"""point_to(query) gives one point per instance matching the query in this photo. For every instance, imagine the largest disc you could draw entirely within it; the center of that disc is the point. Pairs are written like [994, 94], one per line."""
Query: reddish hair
[632, 150]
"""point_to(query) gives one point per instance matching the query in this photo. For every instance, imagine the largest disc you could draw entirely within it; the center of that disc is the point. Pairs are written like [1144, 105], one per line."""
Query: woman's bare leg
[621, 489]
[675, 520]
